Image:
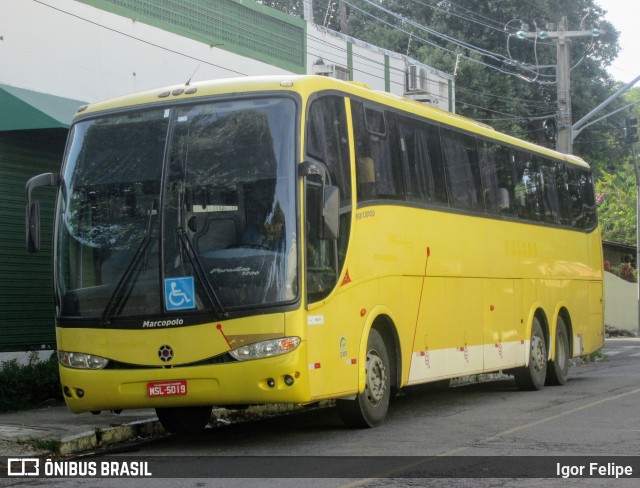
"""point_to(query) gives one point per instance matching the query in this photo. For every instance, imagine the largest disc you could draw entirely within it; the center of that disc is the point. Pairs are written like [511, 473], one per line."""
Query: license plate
[167, 388]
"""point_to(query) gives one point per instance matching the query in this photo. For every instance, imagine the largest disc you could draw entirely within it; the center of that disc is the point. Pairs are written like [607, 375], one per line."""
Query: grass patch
[50, 445]
[30, 385]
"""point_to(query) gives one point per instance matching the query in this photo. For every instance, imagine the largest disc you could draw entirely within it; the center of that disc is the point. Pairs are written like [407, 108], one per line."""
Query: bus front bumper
[278, 379]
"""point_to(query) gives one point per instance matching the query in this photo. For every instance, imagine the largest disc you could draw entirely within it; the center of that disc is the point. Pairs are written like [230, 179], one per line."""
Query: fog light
[79, 392]
[288, 380]
[67, 392]
[271, 383]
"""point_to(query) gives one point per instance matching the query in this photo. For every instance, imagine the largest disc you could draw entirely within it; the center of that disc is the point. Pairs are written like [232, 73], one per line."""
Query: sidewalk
[56, 429]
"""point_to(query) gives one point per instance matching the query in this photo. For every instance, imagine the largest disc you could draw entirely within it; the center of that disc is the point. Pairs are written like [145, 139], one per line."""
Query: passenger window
[552, 176]
[581, 196]
[462, 171]
[422, 161]
[496, 171]
[378, 166]
[528, 187]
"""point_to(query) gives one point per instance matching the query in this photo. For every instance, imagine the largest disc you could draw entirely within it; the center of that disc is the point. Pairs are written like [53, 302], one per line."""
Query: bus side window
[497, 178]
[422, 161]
[327, 141]
[462, 170]
[491, 192]
[378, 165]
[581, 196]
[528, 190]
[550, 177]
[562, 188]
[415, 159]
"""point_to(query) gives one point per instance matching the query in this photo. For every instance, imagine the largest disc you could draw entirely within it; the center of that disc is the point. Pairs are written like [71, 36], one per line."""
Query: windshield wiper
[119, 291]
[201, 273]
[119, 294]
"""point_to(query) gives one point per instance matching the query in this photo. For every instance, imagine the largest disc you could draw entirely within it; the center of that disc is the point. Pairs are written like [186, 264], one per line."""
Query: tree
[498, 78]
[616, 198]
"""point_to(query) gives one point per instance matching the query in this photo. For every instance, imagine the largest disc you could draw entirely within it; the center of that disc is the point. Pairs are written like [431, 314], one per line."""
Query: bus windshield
[178, 209]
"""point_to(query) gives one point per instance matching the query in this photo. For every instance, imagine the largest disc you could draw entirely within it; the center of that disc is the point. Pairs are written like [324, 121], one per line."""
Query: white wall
[72, 50]
[621, 303]
[368, 64]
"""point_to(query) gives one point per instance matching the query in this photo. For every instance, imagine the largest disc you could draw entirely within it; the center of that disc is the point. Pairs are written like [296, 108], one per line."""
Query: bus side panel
[449, 334]
[334, 331]
[595, 340]
[502, 327]
[401, 295]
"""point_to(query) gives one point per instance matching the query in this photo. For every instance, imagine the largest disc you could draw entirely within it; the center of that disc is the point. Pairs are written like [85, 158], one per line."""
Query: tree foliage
[507, 82]
[616, 195]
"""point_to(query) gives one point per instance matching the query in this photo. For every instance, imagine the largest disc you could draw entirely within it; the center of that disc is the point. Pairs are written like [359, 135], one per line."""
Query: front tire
[532, 376]
[370, 407]
[184, 420]
[558, 369]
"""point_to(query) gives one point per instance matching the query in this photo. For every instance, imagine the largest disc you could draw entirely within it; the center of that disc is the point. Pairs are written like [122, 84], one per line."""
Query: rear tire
[184, 420]
[370, 407]
[532, 376]
[558, 369]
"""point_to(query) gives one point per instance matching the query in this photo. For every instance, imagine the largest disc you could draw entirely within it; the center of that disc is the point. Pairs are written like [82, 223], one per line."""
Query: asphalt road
[595, 414]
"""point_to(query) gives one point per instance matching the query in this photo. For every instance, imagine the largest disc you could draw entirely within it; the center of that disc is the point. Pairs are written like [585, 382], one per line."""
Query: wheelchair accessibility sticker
[179, 293]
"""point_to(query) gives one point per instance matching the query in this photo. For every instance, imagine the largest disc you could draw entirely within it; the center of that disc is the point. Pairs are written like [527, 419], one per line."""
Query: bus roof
[305, 85]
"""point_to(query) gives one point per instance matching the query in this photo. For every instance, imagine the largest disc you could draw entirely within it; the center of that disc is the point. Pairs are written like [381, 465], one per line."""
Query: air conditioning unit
[331, 70]
[416, 78]
[422, 98]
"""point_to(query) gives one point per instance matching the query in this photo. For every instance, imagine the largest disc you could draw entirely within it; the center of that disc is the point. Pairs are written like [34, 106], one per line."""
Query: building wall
[378, 68]
[621, 303]
[26, 284]
[74, 50]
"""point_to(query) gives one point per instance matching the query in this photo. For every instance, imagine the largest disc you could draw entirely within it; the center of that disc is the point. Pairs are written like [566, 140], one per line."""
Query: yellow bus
[293, 239]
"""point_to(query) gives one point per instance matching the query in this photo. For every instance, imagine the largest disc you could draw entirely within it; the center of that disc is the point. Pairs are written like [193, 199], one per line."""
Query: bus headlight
[80, 360]
[266, 349]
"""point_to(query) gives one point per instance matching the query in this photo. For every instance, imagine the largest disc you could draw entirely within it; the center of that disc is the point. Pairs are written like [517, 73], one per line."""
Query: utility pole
[562, 36]
[563, 77]
[342, 7]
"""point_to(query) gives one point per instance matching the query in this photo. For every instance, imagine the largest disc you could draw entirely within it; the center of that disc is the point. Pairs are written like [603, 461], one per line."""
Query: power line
[140, 40]
[499, 58]
[451, 12]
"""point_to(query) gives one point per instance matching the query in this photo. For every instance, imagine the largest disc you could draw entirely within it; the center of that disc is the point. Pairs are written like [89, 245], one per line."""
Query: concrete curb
[104, 437]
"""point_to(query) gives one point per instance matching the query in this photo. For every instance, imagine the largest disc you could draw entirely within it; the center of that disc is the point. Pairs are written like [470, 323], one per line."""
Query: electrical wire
[479, 51]
[457, 42]
[375, 63]
[141, 40]
[453, 13]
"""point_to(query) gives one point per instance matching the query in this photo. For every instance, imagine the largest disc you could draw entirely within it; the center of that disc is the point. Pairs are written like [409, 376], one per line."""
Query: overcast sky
[625, 16]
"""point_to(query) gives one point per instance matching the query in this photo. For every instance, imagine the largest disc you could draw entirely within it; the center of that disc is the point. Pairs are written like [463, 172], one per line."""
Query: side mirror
[330, 213]
[33, 208]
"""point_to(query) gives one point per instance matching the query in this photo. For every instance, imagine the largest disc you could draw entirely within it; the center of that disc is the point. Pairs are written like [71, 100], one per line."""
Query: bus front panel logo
[165, 353]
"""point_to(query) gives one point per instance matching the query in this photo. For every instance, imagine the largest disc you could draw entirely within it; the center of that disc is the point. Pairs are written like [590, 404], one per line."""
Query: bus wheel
[184, 420]
[370, 407]
[532, 377]
[558, 369]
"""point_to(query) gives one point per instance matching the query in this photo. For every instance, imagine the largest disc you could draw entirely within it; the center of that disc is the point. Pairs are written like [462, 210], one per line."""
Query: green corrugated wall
[242, 27]
[26, 304]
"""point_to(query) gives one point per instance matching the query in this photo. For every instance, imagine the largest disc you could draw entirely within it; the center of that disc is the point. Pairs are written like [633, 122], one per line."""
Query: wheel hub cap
[376, 378]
